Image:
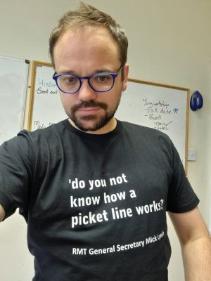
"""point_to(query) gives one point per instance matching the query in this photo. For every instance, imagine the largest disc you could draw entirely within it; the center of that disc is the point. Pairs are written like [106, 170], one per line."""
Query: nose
[86, 93]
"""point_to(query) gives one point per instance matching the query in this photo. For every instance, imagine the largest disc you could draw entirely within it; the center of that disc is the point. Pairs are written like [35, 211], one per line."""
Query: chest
[113, 180]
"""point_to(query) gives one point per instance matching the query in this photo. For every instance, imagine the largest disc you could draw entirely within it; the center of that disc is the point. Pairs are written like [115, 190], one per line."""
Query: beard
[91, 122]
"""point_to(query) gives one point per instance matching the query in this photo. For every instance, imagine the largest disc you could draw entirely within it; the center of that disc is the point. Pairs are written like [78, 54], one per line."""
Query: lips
[89, 109]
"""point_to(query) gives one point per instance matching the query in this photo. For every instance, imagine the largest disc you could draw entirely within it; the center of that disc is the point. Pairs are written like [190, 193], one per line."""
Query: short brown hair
[89, 15]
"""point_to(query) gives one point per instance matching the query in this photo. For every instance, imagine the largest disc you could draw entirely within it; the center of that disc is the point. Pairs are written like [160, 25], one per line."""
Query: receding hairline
[88, 15]
[77, 27]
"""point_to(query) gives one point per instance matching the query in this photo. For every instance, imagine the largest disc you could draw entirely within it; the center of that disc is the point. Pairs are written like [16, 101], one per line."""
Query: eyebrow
[71, 72]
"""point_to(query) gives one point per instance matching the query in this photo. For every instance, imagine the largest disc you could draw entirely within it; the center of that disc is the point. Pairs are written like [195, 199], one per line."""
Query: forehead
[87, 46]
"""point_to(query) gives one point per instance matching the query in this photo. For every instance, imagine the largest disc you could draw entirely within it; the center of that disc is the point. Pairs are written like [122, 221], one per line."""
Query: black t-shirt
[95, 204]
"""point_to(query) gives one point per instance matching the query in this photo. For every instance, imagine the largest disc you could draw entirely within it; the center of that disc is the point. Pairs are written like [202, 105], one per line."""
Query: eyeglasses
[100, 82]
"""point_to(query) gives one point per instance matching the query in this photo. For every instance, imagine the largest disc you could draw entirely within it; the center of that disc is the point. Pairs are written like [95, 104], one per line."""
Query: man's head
[87, 43]
[87, 15]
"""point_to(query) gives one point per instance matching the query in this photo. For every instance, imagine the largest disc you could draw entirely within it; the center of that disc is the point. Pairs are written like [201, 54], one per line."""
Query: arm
[2, 213]
[195, 244]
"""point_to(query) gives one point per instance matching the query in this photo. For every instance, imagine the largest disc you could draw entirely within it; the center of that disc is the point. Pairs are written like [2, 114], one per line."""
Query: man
[94, 190]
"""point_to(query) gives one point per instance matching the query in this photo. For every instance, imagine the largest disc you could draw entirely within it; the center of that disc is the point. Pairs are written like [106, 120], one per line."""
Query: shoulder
[147, 134]
[151, 142]
[44, 134]
[29, 142]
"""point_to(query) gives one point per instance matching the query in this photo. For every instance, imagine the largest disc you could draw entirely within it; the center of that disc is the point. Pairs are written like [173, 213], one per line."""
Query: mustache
[85, 104]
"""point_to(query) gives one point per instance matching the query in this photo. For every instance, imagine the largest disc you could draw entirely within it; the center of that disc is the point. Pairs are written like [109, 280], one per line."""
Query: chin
[91, 128]
[91, 125]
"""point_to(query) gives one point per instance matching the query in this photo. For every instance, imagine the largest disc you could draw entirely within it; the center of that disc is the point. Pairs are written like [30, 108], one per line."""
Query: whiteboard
[45, 105]
[13, 88]
[158, 106]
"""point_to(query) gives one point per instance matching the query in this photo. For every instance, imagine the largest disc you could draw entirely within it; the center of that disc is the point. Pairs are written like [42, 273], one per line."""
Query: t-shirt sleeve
[181, 196]
[15, 174]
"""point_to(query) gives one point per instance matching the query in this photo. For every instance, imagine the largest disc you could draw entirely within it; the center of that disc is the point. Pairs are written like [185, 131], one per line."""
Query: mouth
[89, 111]
[89, 108]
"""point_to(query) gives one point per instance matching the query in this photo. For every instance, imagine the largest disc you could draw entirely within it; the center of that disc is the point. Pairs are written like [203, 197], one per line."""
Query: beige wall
[170, 42]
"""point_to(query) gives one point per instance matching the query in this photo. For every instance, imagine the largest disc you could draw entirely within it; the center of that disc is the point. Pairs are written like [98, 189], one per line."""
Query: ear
[125, 77]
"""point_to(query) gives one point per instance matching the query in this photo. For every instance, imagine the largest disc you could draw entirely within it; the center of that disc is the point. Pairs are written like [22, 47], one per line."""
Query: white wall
[170, 42]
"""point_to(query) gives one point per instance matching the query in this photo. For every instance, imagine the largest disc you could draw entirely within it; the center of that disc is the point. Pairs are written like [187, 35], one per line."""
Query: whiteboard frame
[33, 70]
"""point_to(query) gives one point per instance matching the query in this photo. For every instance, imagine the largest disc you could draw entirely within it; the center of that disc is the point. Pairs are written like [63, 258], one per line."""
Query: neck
[110, 126]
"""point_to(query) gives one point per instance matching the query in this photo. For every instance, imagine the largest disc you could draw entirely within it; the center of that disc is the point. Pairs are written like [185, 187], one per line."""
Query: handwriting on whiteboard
[46, 87]
[41, 125]
[160, 112]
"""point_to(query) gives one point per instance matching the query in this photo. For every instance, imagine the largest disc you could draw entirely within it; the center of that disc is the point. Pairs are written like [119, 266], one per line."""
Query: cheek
[112, 101]
[66, 100]
[115, 96]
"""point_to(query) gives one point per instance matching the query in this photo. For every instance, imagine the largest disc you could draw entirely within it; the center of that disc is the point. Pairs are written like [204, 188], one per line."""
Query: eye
[68, 79]
[102, 78]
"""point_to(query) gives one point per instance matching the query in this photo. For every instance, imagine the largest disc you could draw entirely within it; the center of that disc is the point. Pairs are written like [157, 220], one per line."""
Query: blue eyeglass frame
[81, 78]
